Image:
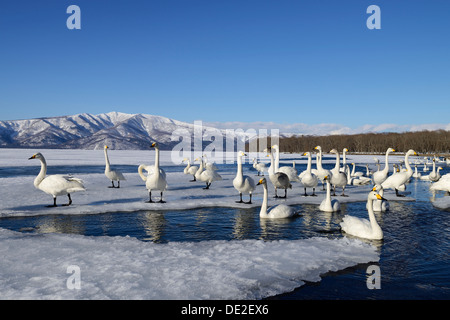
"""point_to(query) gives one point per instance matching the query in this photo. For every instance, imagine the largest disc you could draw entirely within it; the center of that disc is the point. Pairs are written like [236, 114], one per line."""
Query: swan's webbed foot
[398, 194]
[161, 201]
[248, 202]
[207, 186]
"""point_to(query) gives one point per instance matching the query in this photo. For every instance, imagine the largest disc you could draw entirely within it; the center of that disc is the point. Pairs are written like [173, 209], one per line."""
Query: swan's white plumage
[328, 204]
[243, 183]
[112, 174]
[321, 172]
[156, 178]
[279, 179]
[279, 211]
[259, 166]
[290, 171]
[307, 178]
[207, 175]
[338, 178]
[56, 185]
[192, 170]
[442, 185]
[397, 180]
[363, 228]
[381, 175]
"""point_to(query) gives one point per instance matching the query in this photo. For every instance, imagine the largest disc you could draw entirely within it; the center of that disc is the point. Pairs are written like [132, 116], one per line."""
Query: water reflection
[153, 224]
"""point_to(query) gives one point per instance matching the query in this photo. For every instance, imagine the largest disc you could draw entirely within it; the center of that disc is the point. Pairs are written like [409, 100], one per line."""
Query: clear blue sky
[299, 61]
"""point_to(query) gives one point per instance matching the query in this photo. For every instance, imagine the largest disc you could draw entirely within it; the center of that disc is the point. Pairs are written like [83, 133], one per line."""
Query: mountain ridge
[87, 131]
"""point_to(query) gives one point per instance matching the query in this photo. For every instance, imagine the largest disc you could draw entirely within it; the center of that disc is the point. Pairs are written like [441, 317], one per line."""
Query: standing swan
[279, 211]
[321, 172]
[363, 228]
[113, 175]
[156, 180]
[56, 185]
[243, 184]
[380, 176]
[395, 181]
[192, 170]
[259, 166]
[338, 178]
[290, 171]
[208, 175]
[278, 179]
[328, 204]
[308, 179]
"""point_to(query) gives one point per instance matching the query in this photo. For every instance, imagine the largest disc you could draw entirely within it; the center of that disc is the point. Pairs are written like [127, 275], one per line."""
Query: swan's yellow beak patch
[374, 189]
[379, 197]
[153, 144]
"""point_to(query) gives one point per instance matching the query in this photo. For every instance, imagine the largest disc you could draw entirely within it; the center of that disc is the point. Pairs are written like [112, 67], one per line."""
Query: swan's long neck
[277, 159]
[141, 174]
[108, 165]
[373, 222]
[272, 170]
[239, 166]
[319, 160]
[338, 162]
[263, 212]
[42, 173]
[386, 167]
[308, 168]
[157, 161]
[408, 167]
[328, 196]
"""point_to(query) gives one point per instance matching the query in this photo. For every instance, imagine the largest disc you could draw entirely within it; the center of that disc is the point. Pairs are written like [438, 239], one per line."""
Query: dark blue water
[414, 254]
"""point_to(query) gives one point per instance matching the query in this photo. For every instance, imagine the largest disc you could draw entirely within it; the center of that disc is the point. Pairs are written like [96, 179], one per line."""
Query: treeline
[423, 142]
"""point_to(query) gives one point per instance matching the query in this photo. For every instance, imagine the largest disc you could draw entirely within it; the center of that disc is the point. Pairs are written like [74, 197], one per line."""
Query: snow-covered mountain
[115, 129]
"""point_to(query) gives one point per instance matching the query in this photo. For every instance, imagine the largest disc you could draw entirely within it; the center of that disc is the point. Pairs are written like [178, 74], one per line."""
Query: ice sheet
[35, 266]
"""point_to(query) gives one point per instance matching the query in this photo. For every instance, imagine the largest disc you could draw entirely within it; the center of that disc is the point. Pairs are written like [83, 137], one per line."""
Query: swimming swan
[363, 228]
[328, 204]
[308, 179]
[56, 185]
[243, 184]
[395, 181]
[279, 211]
[155, 179]
[380, 176]
[113, 175]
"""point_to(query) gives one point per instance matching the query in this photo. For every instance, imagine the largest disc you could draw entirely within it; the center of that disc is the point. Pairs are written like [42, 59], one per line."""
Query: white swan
[207, 175]
[279, 179]
[355, 173]
[279, 211]
[442, 185]
[380, 205]
[113, 175]
[308, 179]
[56, 185]
[321, 172]
[290, 171]
[243, 184]
[155, 179]
[381, 175]
[395, 181]
[192, 170]
[328, 204]
[416, 174]
[344, 160]
[363, 228]
[435, 175]
[338, 178]
[259, 166]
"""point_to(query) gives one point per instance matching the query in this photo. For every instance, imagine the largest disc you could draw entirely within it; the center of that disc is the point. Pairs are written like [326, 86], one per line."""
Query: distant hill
[87, 131]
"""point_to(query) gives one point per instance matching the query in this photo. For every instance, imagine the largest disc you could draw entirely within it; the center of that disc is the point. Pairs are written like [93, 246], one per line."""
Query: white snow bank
[35, 266]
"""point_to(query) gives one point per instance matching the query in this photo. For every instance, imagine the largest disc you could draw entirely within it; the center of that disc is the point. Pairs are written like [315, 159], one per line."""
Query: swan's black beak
[32, 157]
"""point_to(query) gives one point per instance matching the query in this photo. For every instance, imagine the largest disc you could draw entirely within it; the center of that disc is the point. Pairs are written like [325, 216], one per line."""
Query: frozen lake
[201, 244]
